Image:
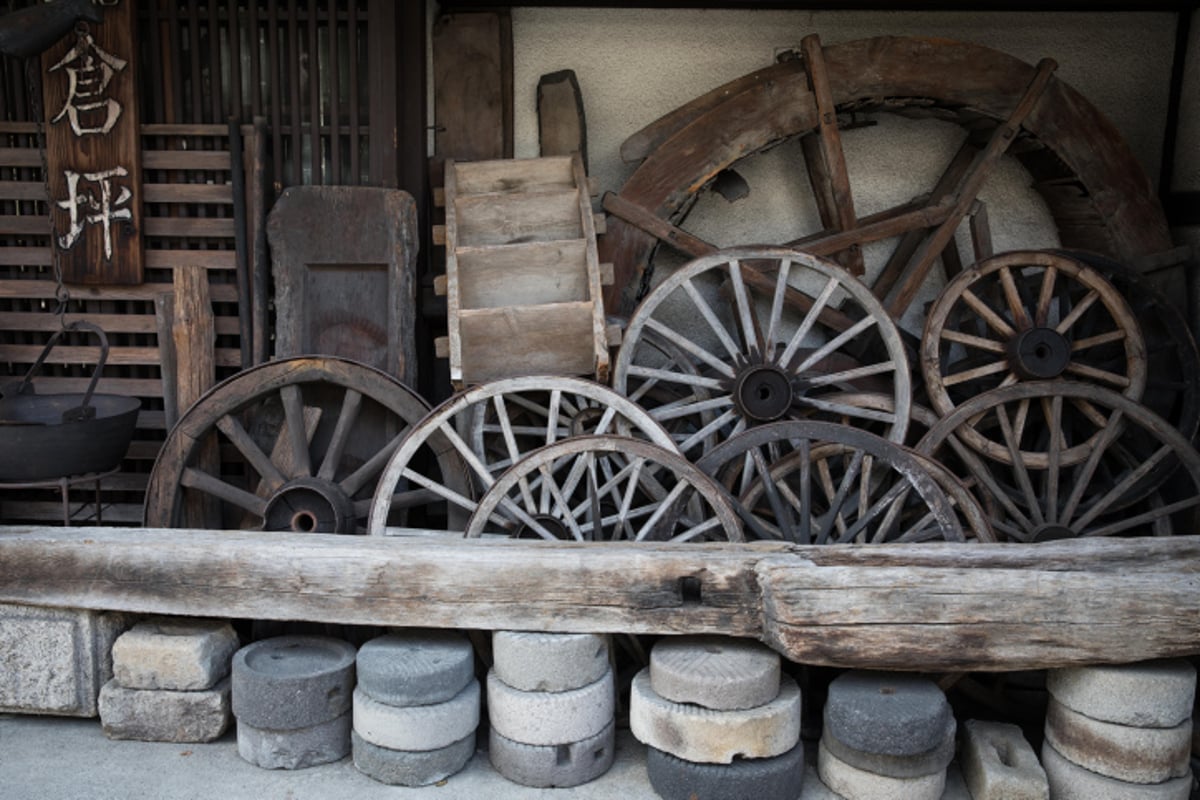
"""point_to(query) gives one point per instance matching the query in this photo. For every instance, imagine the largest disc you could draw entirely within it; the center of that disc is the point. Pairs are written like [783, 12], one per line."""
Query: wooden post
[194, 337]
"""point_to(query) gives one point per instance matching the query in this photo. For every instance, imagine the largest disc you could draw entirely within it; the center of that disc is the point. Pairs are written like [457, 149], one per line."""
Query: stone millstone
[999, 764]
[549, 662]
[935, 760]
[295, 749]
[550, 718]
[553, 766]
[1152, 694]
[292, 682]
[1124, 752]
[887, 713]
[777, 778]
[417, 728]
[163, 715]
[1069, 781]
[699, 734]
[180, 655]
[849, 781]
[415, 668]
[716, 672]
[408, 767]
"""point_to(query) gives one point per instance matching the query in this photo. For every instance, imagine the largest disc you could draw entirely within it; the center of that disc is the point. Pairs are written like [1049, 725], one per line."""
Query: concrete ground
[58, 758]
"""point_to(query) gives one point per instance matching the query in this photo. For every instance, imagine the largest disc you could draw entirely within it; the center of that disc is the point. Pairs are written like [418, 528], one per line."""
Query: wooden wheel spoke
[836, 342]
[1145, 518]
[771, 490]
[1015, 304]
[1092, 413]
[371, 467]
[975, 372]
[444, 492]
[844, 489]
[747, 315]
[1097, 374]
[809, 320]
[293, 410]
[684, 343]
[977, 342]
[1110, 427]
[846, 376]
[978, 469]
[199, 480]
[1078, 311]
[1045, 297]
[1124, 485]
[1118, 335]
[689, 406]
[708, 430]
[1054, 456]
[661, 508]
[684, 378]
[259, 461]
[777, 297]
[1019, 468]
[848, 410]
[347, 416]
[710, 317]
[994, 320]
[510, 443]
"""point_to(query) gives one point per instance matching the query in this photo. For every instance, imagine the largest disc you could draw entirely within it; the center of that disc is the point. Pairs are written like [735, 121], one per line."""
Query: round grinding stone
[418, 728]
[550, 718]
[549, 662]
[777, 778]
[291, 682]
[1124, 752]
[409, 767]
[935, 760]
[849, 781]
[295, 749]
[1152, 694]
[553, 766]
[716, 672]
[1069, 781]
[888, 713]
[415, 668]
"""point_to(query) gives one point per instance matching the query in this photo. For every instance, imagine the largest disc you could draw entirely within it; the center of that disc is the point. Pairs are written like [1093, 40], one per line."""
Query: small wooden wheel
[1029, 315]
[605, 488]
[291, 445]
[488, 428]
[750, 358]
[1139, 476]
[822, 483]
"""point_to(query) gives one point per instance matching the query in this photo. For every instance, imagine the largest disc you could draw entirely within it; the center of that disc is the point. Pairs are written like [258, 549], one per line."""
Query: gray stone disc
[553, 766]
[549, 662]
[1124, 752]
[776, 778]
[887, 713]
[295, 749]
[430, 727]
[1069, 781]
[292, 682]
[411, 767]
[717, 672]
[550, 718]
[916, 766]
[415, 668]
[1151, 694]
[849, 781]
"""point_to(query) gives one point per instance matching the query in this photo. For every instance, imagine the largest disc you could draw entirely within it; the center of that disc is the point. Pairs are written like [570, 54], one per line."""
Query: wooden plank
[193, 339]
[510, 176]
[165, 227]
[36, 290]
[155, 259]
[206, 160]
[118, 355]
[555, 339]
[472, 85]
[111, 323]
[536, 272]
[932, 607]
[562, 126]
[503, 219]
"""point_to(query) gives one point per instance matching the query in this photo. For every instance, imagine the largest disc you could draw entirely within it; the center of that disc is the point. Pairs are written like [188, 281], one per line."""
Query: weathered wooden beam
[909, 607]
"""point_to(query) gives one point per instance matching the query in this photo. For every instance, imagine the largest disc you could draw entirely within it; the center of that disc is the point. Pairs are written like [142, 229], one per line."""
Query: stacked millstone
[416, 707]
[885, 736]
[551, 705]
[1120, 731]
[170, 682]
[719, 720]
[291, 697]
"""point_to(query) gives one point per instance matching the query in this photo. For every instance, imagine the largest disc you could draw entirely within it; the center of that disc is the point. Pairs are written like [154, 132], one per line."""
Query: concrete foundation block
[417, 728]
[717, 672]
[54, 661]
[888, 713]
[295, 749]
[777, 778]
[164, 715]
[417, 667]
[858, 784]
[184, 655]
[915, 766]
[550, 718]
[1069, 781]
[999, 764]
[1124, 752]
[292, 682]
[553, 766]
[410, 768]
[1150, 694]
[699, 734]
[549, 662]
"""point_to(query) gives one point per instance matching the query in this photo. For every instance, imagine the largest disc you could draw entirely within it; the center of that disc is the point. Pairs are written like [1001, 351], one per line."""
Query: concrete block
[699, 734]
[1124, 752]
[887, 713]
[417, 728]
[323, 743]
[417, 667]
[935, 760]
[1150, 694]
[184, 655]
[54, 661]
[858, 784]
[549, 662]
[410, 768]
[292, 682]
[717, 672]
[164, 715]
[550, 718]
[1069, 781]
[777, 778]
[999, 764]
[553, 766]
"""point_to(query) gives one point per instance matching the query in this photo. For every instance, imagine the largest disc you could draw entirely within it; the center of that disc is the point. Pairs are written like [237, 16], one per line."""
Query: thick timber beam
[905, 607]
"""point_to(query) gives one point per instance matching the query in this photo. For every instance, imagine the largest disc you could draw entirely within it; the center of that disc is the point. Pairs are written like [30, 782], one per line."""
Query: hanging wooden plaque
[89, 95]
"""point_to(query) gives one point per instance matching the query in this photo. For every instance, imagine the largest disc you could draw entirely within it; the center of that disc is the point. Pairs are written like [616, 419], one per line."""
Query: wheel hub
[1052, 533]
[1039, 353]
[310, 505]
[763, 392]
[553, 525]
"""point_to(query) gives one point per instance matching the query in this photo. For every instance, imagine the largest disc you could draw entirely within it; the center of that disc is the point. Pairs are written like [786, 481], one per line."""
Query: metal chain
[61, 295]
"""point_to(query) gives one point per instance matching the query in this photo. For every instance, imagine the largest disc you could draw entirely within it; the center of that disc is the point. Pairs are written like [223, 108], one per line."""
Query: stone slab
[295, 749]
[1150, 694]
[417, 728]
[1069, 781]
[1124, 752]
[417, 667]
[777, 778]
[178, 654]
[887, 713]
[407, 767]
[292, 682]
[550, 718]
[164, 715]
[717, 672]
[915, 766]
[549, 662]
[553, 766]
[998, 763]
[54, 661]
[858, 784]
[699, 734]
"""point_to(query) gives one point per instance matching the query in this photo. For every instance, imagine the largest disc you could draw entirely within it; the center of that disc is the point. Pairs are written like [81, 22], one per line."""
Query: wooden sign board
[89, 93]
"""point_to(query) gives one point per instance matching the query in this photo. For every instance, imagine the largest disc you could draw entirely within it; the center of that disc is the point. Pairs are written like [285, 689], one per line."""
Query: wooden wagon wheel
[823, 483]
[1037, 495]
[1029, 315]
[605, 488]
[487, 428]
[751, 358]
[310, 434]
[1096, 190]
